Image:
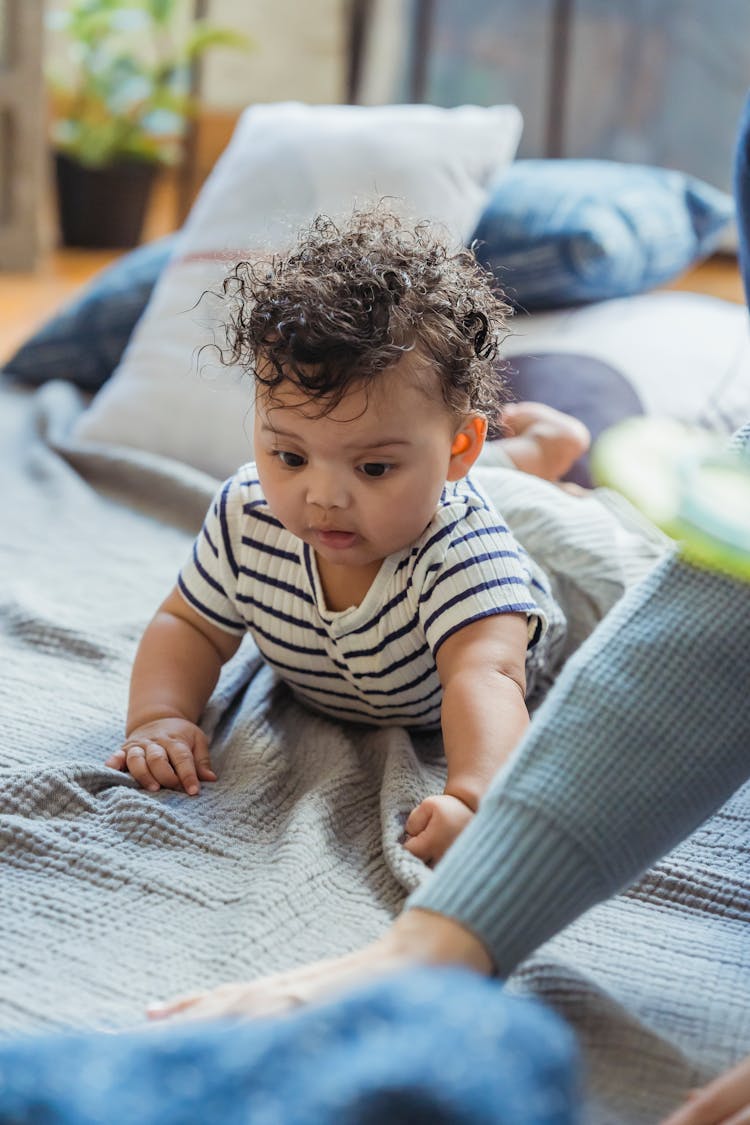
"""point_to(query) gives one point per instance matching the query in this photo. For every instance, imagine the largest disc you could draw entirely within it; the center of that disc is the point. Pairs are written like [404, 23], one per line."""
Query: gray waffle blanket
[112, 896]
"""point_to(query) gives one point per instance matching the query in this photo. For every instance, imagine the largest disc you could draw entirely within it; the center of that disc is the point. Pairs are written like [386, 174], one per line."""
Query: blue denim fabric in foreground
[431, 1047]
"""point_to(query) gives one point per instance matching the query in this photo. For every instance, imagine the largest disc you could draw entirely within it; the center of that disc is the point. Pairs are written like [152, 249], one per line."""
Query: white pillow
[686, 355]
[285, 163]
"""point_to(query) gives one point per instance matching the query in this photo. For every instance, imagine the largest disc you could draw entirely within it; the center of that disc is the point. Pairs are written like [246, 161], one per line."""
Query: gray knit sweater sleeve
[646, 733]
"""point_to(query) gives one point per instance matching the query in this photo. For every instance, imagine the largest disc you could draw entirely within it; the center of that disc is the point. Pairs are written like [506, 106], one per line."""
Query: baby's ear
[467, 445]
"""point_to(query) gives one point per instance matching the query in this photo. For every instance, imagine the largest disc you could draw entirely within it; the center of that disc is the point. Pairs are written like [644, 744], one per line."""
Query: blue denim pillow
[567, 232]
[84, 341]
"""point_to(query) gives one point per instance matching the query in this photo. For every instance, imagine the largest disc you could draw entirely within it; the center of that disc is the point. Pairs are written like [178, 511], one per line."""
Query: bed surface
[112, 896]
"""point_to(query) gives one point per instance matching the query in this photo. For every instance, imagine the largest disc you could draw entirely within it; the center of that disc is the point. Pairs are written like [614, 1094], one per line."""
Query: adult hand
[417, 937]
[725, 1101]
[170, 752]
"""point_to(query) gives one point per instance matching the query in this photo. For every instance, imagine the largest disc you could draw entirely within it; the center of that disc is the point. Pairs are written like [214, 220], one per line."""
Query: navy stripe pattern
[372, 663]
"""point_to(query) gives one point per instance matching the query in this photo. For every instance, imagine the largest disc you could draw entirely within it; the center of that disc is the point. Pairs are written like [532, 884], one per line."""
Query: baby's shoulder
[243, 490]
[240, 501]
[465, 505]
[462, 525]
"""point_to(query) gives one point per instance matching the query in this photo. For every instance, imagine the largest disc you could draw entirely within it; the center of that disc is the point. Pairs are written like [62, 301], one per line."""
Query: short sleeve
[208, 579]
[476, 569]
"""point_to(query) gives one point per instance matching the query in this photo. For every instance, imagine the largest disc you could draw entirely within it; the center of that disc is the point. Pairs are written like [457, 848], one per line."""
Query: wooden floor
[27, 299]
[718, 276]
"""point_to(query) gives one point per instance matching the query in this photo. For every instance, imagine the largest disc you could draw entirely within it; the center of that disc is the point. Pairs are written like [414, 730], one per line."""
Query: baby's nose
[326, 489]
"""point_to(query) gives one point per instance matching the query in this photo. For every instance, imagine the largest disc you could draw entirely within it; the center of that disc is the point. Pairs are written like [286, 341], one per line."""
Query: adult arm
[645, 735]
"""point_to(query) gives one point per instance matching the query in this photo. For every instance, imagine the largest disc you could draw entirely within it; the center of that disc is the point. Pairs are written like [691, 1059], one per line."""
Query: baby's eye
[291, 460]
[375, 468]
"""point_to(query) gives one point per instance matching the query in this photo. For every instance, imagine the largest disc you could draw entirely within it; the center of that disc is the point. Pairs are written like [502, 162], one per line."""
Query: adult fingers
[231, 1001]
[166, 1009]
[281, 991]
[116, 760]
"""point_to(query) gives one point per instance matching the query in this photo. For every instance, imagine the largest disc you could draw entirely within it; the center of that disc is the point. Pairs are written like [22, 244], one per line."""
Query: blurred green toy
[687, 483]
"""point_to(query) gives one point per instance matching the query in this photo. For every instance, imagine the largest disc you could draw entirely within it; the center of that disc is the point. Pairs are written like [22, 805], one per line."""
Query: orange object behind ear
[480, 428]
[463, 441]
[466, 447]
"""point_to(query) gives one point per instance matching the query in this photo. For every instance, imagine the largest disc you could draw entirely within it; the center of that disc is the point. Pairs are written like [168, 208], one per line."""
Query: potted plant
[120, 107]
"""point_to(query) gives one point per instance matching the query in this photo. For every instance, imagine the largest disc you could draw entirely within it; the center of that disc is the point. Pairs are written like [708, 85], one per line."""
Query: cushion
[671, 354]
[83, 342]
[565, 232]
[171, 395]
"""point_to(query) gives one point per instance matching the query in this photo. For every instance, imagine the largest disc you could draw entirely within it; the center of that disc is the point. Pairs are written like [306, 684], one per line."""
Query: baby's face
[364, 481]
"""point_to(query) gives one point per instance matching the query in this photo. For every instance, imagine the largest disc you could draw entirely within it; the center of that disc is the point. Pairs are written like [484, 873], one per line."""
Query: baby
[372, 573]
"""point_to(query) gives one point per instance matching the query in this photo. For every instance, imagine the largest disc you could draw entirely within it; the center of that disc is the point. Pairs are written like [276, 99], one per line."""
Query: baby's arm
[482, 668]
[176, 668]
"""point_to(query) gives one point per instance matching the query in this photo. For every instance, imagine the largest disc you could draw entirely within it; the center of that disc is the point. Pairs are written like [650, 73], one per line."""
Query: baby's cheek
[403, 520]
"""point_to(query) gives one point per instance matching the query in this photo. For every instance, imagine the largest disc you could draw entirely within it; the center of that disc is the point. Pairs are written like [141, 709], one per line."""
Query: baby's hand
[166, 752]
[434, 825]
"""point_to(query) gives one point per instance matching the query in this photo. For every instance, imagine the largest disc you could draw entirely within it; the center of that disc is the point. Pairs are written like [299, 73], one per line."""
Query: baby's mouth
[338, 540]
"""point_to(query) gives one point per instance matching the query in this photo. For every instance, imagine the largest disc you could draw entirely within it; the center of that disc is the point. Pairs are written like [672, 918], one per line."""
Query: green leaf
[162, 10]
[204, 35]
[126, 68]
[174, 102]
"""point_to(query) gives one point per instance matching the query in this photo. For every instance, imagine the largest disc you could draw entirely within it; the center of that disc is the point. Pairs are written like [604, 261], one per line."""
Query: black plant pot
[102, 207]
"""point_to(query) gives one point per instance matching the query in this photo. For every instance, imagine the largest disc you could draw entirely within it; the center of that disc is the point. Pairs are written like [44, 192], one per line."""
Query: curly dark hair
[349, 301]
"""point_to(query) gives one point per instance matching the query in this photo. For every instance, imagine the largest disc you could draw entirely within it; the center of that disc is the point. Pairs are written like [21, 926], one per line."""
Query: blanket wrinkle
[33, 855]
[57, 791]
[39, 633]
[728, 898]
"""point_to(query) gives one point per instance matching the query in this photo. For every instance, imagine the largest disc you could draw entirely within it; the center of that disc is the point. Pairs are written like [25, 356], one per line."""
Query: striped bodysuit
[375, 662]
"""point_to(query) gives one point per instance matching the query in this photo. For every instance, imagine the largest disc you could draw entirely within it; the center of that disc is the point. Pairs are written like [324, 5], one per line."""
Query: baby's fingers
[420, 846]
[181, 765]
[138, 765]
[204, 770]
[116, 760]
[203, 758]
[418, 819]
